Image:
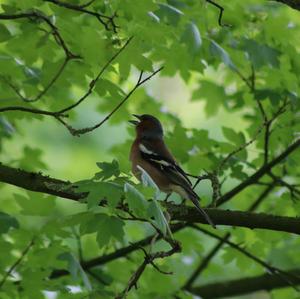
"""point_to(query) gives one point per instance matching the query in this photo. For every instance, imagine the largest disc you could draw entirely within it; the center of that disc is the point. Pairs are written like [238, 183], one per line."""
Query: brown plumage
[150, 152]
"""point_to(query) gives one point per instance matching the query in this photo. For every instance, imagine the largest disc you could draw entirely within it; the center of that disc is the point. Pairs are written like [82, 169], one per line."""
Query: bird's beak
[135, 122]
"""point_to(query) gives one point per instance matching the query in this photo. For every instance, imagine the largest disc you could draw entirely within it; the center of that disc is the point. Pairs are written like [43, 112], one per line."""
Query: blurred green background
[201, 90]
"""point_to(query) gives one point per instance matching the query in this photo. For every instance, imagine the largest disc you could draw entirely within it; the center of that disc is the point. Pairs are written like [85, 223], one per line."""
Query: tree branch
[205, 262]
[35, 14]
[274, 270]
[82, 9]
[213, 252]
[230, 288]
[236, 218]
[94, 81]
[119, 253]
[39, 183]
[149, 259]
[17, 262]
[221, 10]
[61, 113]
[291, 3]
[259, 173]
[31, 110]
[78, 132]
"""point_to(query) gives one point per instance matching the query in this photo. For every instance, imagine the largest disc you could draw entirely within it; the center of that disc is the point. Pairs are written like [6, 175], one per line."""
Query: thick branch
[236, 218]
[247, 285]
[39, 183]
[292, 3]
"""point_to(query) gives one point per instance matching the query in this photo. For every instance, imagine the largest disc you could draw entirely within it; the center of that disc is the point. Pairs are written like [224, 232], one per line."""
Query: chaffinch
[150, 152]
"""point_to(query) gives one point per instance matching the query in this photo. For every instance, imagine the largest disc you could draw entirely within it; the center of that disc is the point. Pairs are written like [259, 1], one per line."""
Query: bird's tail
[195, 199]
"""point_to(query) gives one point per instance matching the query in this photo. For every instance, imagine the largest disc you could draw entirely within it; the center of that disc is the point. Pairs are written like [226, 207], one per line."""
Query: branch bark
[230, 288]
[119, 253]
[236, 218]
[291, 3]
[40, 183]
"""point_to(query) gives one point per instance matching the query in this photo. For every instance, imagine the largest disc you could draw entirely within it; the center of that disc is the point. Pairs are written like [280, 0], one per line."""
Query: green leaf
[228, 256]
[267, 55]
[35, 204]
[136, 201]
[75, 269]
[262, 94]
[104, 86]
[213, 94]
[8, 128]
[6, 222]
[169, 13]
[148, 181]
[98, 191]
[191, 37]
[217, 50]
[107, 170]
[4, 33]
[32, 159]
[109, 228]
[232, 136]
[154, 211]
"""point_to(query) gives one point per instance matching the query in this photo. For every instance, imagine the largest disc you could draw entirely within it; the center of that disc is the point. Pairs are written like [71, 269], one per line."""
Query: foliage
[74, 69]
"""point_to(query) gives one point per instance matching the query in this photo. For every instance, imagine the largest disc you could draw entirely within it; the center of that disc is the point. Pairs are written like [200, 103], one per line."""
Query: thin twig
[61, 113]
[285, 276]
[52, 81]
[119, 253]
[96, 277]
[78, 132]
[252, 179]
[295, 193]
[35, 14]
[17, 262]
[106, 21]
[149, 259]
[240, 148]
[32, 110]
[94, 81]
[204, 262]
[213, 252]
[268, 125]
[221, 10]
[86, 4]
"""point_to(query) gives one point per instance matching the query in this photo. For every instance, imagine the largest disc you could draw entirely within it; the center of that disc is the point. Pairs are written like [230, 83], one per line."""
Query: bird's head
[147, 126]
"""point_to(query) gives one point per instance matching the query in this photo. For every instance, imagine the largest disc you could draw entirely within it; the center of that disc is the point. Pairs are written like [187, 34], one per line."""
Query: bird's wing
[156, 153]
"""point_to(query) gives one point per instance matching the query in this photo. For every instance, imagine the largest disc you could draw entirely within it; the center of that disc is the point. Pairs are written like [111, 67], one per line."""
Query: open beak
[135, 122]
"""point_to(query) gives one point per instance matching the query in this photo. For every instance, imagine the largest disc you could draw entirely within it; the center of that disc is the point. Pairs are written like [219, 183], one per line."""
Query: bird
[149, 152]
